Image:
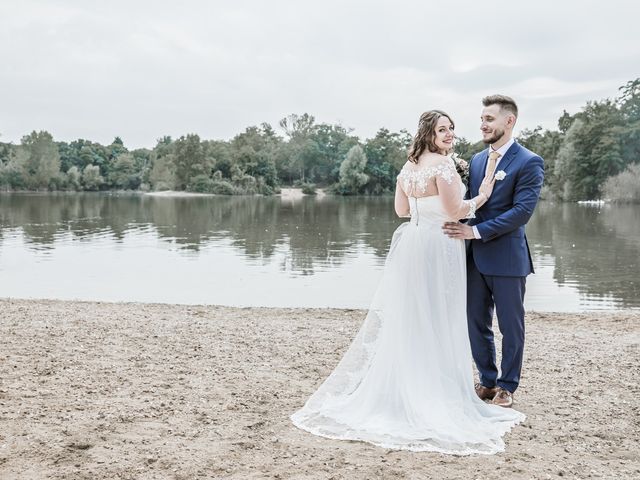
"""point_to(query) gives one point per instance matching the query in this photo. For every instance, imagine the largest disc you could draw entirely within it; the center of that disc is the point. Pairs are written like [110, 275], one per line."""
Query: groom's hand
[458, 230]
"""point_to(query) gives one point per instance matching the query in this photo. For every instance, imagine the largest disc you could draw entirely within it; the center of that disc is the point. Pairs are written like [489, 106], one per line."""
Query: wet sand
[137, 391]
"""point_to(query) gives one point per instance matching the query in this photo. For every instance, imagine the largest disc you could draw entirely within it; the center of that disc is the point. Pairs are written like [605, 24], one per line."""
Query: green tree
[14, 172]
[629, 99]
[43, 159]
[352, 176]
[116, 149]
[301, 150]
[329, 145]
[162, 175]
[74, 178]
[190, 160]
[547, 144]
[466, 150]
[254, 152]
[624, 187]
[82, 153]
[629, 103]
[142, 167]
[385, 155]
[298, 125]
[565, 121]
[591, 151]
[91, 178]
[123, 173]
[221, 155]
[562, 188]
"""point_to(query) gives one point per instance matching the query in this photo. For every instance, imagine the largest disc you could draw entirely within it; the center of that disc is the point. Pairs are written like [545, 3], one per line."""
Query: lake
[279, 251]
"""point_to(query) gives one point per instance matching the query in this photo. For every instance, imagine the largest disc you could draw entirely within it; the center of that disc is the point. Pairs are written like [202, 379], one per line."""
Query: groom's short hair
[506, 103]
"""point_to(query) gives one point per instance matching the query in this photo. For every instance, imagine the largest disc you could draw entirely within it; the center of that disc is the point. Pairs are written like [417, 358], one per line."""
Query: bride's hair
[426, 135]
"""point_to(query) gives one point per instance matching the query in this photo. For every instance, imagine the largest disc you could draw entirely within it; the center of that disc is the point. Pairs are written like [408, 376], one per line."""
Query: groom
[498, 257]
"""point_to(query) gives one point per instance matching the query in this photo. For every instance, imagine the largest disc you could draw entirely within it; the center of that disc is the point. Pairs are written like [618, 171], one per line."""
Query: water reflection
[592, 251]
[318, 232]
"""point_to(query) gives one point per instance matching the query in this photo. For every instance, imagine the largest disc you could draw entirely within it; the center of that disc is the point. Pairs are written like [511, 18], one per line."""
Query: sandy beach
[137, 391]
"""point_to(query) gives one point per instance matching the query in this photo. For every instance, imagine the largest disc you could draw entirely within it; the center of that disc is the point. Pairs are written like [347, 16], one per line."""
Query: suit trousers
[506, 295]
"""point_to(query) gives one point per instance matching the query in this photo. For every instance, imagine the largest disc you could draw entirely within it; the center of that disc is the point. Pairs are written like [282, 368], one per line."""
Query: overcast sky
[144, 69]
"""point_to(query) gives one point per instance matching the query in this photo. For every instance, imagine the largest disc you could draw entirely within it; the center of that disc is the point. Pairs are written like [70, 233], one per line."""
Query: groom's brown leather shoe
[503, 398]
[485, 393]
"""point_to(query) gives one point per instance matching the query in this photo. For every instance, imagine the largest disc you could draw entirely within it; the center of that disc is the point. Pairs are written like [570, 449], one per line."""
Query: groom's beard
[497, 135]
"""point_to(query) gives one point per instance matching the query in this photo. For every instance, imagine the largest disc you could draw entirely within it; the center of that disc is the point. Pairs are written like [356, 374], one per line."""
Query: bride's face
[444, 135]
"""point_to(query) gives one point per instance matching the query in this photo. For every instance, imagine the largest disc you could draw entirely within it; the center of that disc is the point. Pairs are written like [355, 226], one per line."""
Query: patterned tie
[491, 166]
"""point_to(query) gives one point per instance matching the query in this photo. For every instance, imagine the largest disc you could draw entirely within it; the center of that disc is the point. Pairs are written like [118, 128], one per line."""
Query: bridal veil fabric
[406, 381]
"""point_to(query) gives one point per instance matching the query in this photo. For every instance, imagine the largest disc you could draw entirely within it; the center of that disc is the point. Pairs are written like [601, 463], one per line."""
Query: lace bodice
[417, 179]
[441, 181]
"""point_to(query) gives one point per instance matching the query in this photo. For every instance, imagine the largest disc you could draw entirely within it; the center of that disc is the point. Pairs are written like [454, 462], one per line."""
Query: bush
[263, 187]
[246, 184]
[308, 188]
[624, 187]
[222, 187]
[57, 182]
[200, 184]
[162, 185]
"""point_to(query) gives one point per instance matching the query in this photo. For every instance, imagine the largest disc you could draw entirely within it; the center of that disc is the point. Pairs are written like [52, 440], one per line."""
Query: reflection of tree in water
[310, 231]
[325, 230]
[42, 217]
[596, 249]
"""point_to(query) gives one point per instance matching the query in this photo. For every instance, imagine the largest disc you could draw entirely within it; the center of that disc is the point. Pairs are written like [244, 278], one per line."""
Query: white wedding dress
[406, 382]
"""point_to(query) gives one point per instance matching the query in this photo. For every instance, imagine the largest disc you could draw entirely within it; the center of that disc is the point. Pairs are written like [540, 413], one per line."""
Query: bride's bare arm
[401, 202]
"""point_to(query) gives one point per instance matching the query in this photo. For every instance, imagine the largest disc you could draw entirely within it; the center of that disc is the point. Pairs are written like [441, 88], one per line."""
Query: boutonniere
[500, 174]
[462, 167]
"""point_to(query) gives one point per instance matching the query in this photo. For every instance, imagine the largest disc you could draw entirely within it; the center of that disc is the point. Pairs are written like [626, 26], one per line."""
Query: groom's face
[495, 123]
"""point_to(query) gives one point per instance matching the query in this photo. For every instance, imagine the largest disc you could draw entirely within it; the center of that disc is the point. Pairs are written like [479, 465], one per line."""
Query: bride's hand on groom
[465, 232]
[486, 187]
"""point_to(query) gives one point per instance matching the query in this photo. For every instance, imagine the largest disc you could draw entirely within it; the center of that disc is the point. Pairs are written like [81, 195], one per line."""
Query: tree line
[593, 153]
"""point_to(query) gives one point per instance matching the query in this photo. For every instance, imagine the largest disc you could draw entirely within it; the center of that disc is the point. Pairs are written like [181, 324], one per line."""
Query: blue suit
[498, 263]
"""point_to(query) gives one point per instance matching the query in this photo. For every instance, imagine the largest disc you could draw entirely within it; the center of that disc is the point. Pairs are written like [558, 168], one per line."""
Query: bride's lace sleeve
[451, 192]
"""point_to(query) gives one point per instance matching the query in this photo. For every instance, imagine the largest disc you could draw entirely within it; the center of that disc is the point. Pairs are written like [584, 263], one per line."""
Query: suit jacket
[503, 249]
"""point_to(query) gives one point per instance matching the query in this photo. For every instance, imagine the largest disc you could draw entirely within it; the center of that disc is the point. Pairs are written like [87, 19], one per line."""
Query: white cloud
[145, 69]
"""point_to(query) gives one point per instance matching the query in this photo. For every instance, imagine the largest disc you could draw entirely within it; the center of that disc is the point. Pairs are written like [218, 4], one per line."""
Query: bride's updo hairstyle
[426, 135]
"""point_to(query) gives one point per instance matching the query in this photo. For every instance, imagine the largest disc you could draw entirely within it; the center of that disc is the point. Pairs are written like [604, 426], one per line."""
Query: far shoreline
[285, 192]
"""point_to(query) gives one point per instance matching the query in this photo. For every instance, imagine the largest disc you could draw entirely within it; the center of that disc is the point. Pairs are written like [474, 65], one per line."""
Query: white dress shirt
[502, 150]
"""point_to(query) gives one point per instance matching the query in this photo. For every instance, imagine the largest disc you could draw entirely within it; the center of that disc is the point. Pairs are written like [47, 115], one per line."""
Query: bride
[406, 381]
